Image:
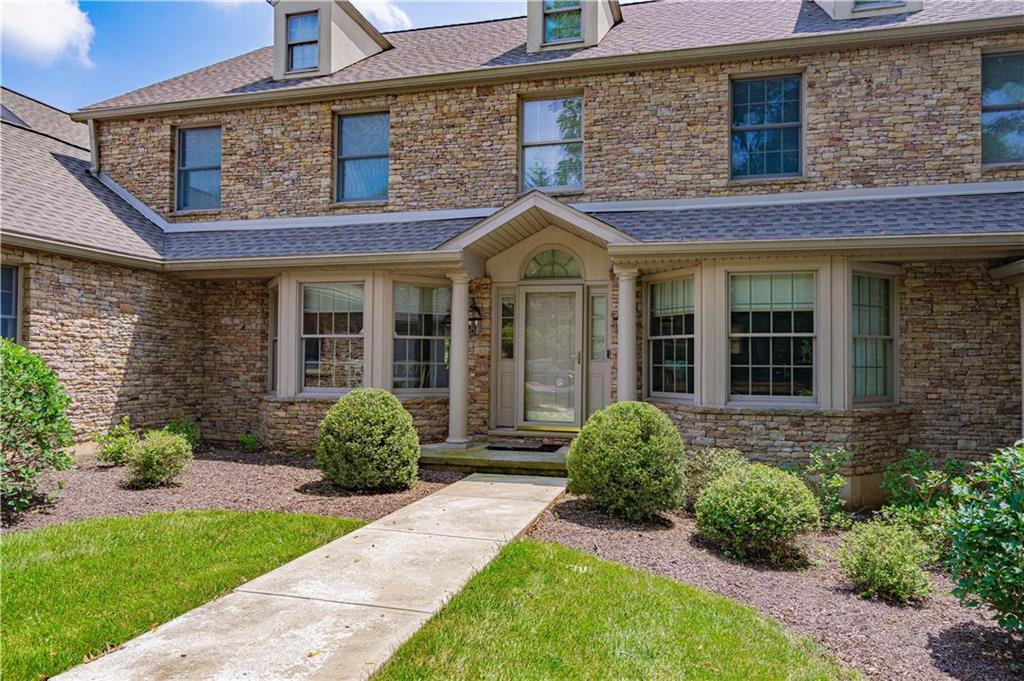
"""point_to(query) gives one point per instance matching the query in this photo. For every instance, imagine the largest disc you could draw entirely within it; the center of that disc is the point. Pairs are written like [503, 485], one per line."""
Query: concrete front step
[479, 459]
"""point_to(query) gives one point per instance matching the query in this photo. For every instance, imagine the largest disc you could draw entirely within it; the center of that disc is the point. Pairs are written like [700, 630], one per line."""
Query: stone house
[783, 223]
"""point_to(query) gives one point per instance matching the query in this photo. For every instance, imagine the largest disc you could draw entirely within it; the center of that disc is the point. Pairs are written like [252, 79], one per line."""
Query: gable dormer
[568, 24]
[841, 10]
[320, 37]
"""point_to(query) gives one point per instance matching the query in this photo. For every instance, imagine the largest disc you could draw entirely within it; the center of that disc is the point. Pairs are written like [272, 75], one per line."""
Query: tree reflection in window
[552, 156]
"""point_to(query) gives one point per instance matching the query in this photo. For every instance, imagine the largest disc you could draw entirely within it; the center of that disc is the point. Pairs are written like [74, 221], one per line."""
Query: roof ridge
[37, 101]
[45, 134]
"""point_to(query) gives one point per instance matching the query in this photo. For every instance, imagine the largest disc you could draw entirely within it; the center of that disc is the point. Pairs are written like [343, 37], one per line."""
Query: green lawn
[542, 611]
[70, 591]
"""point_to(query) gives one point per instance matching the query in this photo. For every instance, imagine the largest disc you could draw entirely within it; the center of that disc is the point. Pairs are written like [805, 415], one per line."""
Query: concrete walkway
[340, 611]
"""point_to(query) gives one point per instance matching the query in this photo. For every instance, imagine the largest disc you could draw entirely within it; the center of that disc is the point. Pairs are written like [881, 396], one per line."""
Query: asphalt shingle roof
[46, 191]
[43, 118]
[647, 27]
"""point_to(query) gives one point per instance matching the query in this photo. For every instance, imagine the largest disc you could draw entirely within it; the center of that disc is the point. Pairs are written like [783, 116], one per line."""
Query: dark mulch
[221, 478]
[936, 640]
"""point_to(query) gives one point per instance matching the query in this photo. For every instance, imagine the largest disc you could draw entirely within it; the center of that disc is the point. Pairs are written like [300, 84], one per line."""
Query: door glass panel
[549, 390]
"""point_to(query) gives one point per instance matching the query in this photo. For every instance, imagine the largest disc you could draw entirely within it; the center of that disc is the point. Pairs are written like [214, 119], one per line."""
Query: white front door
[550, 348]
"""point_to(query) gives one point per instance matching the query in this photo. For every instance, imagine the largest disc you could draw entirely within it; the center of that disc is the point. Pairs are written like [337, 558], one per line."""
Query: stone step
[479, 459]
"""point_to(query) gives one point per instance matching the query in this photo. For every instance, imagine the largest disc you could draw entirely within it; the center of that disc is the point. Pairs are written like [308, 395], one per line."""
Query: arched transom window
[553, 264]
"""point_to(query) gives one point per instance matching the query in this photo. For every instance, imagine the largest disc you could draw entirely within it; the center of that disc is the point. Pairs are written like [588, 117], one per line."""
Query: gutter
[436, 258]
[86, 252]
[576, 67]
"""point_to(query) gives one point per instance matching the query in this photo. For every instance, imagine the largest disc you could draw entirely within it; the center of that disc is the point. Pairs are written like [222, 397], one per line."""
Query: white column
[626, 370]
[458, 370]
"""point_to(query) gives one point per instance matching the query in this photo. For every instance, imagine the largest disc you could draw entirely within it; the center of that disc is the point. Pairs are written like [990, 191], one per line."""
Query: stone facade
[874, 116]
[480, 361]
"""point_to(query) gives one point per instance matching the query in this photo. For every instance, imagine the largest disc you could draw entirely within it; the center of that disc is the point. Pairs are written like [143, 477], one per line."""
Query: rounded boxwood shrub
[986, 555]
[158, 459]
[756, 511]
[701, 467]
[117, 445]
[367, 442]
[627, 460]
[34, 430]
[886, 560]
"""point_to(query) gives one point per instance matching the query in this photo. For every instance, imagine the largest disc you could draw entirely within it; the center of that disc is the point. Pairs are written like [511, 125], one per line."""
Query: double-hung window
[332, 336]
[670, 337]
[423, 325]
[9, 302]
[771, 334]
[766, 127]
[363, 157]
[303, 41]
[872, 338]
[552, 143]
[198, 168]
[1002, 108]
[563, 21]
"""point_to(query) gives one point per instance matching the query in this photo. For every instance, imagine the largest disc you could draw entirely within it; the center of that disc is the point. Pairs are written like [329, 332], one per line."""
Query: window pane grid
[771, 337]
[671, 337]
[552, 143]
[872, 337]
[599, 327]
[332, 336]
[363, 157]
[421, 345]
[562, 21]
[1002, 108]
[766, 127]
[303, 41]
[9, 307]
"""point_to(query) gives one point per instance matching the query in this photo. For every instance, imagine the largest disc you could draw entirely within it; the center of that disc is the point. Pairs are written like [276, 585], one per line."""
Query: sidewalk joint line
[435, 534]
[242, 589]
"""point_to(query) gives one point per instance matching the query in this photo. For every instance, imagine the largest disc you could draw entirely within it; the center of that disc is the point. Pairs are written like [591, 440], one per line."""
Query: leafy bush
[919, 479]
[756, 511]
[250, 443]
[34, 430]
[367, 442]
[822, 477]
[929, 523]
[186, 428]
[885, 560]
[158, 459]
[627, 460]
[701, 467]
[987, 530]
[117, 445]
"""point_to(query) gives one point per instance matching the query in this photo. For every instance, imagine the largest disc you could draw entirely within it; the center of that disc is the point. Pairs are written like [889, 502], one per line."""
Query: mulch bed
[936, 640]
[220, 478]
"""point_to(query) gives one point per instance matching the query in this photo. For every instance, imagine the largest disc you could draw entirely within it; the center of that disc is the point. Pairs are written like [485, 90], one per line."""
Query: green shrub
[756, 511]
[919, 479]
[34, 430]
[117, 445]
[627, 460]
[929, 523]
[701, 467]
[186, 428]
[367, 442]
[885, 560]
[250, 443]
[160, 457]
[987, 530]
[822, 477]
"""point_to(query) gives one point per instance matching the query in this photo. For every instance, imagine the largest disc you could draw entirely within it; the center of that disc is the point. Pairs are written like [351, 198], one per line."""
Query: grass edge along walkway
[544, 611]
[72, 591]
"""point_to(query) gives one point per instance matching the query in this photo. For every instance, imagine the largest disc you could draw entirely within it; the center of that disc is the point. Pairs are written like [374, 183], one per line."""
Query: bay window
[332, 336]
[872, 338]
[771, 334]
[422, 322]
[671, 337]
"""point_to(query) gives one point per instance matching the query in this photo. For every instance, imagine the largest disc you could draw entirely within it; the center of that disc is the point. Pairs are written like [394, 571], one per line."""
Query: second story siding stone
[878, 116]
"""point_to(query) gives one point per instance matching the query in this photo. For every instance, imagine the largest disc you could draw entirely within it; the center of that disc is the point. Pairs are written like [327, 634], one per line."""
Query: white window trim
[303, 389]
[288, 44]
[674, 275]
[523, 144]
[882, 271]
[19, 292]
[179, 133]
[338, 199]
[803, 127]
[1009, 50]
[388, 351]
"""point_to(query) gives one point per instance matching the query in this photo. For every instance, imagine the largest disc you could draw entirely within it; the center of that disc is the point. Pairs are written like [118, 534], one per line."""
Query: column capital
[626, 272]
[459, 277]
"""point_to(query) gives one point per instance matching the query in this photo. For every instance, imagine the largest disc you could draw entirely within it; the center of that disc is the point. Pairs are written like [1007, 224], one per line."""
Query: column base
[458, 443]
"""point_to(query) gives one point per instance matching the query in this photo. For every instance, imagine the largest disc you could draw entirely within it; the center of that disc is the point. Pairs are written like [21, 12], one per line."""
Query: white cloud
[44, 31]
[385, 14]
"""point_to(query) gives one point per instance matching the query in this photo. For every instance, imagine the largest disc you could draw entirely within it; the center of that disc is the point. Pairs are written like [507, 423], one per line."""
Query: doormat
[525, 447]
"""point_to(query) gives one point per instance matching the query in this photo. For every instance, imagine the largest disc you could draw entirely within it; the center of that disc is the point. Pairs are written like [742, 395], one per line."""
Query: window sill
[574, 191]
[809, 403]
[782, 179]
[656, 398]
[195, 211]
[409, 395]
[1012, 165]
[357, 203]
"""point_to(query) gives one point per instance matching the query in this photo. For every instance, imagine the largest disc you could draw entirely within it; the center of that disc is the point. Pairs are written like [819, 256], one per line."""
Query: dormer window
[303, 41]
[563, 21]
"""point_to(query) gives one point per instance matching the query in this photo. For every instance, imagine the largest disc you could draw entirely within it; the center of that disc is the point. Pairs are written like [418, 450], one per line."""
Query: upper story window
[771, 334]
[303, 41]
[423, 329]
[872, 338]
[562, 21]
[198, 168]
[363, 157]
[766, 127]
[552, 143]
[553, 264]
[670, 337]
[1002, 108]
[334, 356]
[9, 305]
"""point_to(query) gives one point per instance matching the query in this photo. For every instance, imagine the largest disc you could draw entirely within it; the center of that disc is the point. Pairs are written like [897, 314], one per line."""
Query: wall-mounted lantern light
[476, 318]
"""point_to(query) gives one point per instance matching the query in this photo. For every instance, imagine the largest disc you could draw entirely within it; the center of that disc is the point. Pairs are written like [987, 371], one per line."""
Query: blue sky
[71, 54]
